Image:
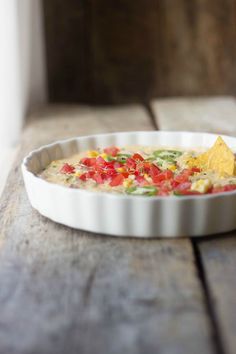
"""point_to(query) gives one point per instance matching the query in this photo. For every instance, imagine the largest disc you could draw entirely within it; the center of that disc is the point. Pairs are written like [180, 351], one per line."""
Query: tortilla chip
[218, 158]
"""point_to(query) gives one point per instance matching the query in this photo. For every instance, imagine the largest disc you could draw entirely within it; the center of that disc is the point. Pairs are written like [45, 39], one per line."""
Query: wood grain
[125, 51]
[219, 261]
[67, 50]
[6, 159]
[64, 290]
[217, 254]
[215, 115]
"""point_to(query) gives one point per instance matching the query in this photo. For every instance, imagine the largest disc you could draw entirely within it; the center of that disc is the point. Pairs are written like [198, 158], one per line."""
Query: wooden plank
[66, 34]
[215, 114]
[64, 290]
[106, 51]
[217, 254]
[6, 160]
[219, 261]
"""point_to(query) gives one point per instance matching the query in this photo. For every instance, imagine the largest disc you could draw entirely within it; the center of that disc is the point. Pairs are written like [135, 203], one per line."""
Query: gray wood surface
[217, 254]
[67, 291]
[215, 114]
[219, 261]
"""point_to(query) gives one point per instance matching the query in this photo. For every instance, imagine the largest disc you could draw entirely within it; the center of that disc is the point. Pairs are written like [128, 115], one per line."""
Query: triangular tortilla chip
[218, 158]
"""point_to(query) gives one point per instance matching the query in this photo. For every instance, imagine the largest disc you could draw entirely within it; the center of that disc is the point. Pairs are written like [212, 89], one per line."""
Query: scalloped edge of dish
[148, 210]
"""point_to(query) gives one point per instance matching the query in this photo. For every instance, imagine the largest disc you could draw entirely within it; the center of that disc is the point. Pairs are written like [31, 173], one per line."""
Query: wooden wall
[103, 51]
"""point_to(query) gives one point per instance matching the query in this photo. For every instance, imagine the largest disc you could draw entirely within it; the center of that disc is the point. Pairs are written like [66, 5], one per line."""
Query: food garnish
[148, 171]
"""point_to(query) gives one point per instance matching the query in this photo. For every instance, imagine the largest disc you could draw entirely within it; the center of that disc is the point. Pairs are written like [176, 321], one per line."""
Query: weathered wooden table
[68, 291]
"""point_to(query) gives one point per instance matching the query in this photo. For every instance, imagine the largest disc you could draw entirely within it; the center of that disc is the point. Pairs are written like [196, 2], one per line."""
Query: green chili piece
[145, 190]
[167, 155]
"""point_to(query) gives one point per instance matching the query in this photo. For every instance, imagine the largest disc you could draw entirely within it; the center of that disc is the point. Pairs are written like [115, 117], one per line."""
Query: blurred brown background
[101, 51]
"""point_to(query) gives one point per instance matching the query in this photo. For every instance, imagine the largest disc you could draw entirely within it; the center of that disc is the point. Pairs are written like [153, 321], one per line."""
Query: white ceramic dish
[121, 215]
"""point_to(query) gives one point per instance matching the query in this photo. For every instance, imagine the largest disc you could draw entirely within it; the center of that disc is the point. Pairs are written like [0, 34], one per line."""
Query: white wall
[22, 65]
[22, 72]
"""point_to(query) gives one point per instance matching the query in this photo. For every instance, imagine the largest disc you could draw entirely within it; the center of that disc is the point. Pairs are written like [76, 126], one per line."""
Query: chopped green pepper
[145, 190]
[166, 155]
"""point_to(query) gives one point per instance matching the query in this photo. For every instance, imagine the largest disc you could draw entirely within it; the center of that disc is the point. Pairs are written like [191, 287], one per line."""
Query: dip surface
[141, 170]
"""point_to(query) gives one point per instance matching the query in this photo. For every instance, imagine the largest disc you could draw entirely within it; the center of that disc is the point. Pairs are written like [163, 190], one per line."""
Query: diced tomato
[217, 190]
[130, 163]
[108, 174]
[118, 164]
[66, 168]
[141, 180]
[83, 177]
[174, 183]
[88, 161]
[87, 175]
[110, 165]
[183, 176]
[125, 174]
[100, 161]
[137, 157]
[163, 176]
[90, 174]
[195, 169]
[112, 150]
[154, 171]
[117, 180]
[169, 174]
[143, 167]
[97, 177]
[227, 188]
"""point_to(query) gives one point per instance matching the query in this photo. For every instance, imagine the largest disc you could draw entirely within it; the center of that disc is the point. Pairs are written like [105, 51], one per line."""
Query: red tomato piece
[88, 161]
[217, 190]
[195, 169]
[137, 157]
[97, 177]
[87, 175]
[66, 168]
[163, 176]
[169, 174]
[184, 176]
[143, 167]
[125, 174]
[174, 184]
[110, 165]
[108, 174]
[227, 188]
[112, 151]
[141, 181]
[118, 164]
[154, 170]
[83, 177]
[130, 163]
[100, 161]
[117, 180]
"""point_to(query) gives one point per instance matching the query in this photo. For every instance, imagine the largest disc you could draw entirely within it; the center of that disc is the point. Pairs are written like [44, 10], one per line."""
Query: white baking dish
[121, 215]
